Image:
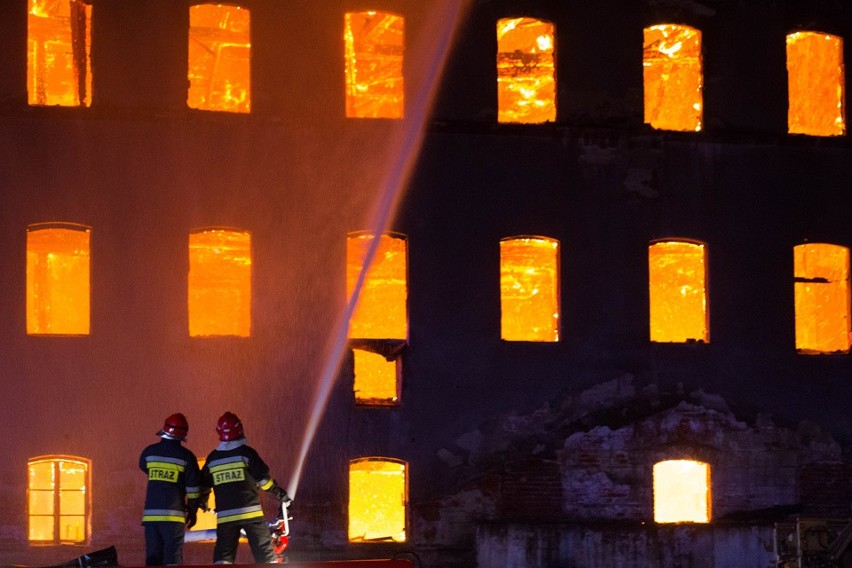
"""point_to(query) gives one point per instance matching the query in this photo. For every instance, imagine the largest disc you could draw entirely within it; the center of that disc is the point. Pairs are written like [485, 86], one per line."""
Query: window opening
[376, 379]
[58, 275]
[678, 292]
[59, 500]
[821, 286]
[59, 42]
[374, 46]
[682, 492]
[526, 78]
[219, 282]
[529, 289]
[378, 500]
[673, 78]
[815, 84]
[219, 58]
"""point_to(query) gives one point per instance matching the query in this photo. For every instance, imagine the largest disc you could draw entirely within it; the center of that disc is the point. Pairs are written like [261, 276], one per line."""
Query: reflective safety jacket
[236, 473]
[173, 480]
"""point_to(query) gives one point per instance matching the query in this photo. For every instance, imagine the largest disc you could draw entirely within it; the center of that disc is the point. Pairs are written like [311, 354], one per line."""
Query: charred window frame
[529, 289]
[378, 500]
[673, 77]
[374, 49]
[526, 71]
[59, 500]
[677, 291]
[815, 84]
[822, 299]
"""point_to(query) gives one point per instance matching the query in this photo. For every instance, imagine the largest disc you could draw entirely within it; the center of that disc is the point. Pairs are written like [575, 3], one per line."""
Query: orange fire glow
[375, 379]
[57, 500]
[219, 58]
[815, 84]
[374, 46]
[59, 40]
[219, 283]
[378, 499]
[382, 310]
[682, 492]
[822, 298]
[529, 289]
[58, 276]
[526, 79]
[673, 77]
[677, 292]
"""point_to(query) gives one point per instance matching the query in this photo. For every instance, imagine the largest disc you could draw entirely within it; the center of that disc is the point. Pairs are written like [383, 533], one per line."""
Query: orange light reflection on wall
[58, 275]
[376, 379]
[673, 77]
[681, 492]
[59, 40]
[378, 499]
[58, 500]
[822, 298]
[219, 283]
[526, 79]
[677, 292]
[219, 58]
[374, 44]
[382, 309]
[815, 84]
[529, 289]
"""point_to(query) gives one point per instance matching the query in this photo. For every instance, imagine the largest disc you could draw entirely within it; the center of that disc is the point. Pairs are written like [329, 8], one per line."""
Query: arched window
[374, 44]
[378, 500]
[382, 308]
[821, 286]
[529, 289]
[677, 292]
[219, 282]
[58, 275]
[59, 45]
[815, 84]
[219, 58]
[526, 71]
[682, 492]
[59, 500]
[673, 78]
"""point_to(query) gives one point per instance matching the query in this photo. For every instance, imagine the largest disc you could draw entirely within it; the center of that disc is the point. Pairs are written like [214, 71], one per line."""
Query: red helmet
[175, 426]
[229, 427]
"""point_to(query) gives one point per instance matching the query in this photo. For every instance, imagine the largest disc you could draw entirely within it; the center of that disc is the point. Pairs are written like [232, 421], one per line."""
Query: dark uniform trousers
[164, 543]
[228, 536]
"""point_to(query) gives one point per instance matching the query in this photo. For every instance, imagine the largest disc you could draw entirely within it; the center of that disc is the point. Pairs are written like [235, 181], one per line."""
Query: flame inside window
[529, 289]
[206, 520]
[376, 379]
[822, 298]
[382, 309]
[815, 83]
[219, 283]
[673, 77]
[219, 58]
[526, 80]
[59, 40]
[378, 499]
[58, 500]
[681, 492]
[374, 47]
[677, 292]
[58, 279]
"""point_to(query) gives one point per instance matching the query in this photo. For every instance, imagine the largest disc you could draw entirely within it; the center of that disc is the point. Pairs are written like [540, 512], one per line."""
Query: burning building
[491, 283]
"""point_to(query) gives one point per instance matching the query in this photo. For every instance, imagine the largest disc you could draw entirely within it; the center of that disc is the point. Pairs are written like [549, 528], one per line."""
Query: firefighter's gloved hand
[281, 494]
[191, 517]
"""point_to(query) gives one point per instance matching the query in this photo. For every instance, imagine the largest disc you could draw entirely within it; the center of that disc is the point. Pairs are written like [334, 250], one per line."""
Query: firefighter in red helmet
[172, 496]
[236, 473]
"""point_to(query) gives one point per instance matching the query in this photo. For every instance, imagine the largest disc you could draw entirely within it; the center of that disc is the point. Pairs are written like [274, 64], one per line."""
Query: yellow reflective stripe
[229, 518]
[266, 485]
[161, 518]
[193, 495]
[227, 466]
[165, 465]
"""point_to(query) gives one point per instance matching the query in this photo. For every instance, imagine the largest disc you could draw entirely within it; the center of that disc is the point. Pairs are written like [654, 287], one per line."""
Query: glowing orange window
[673, 77]
[376, 379]
[59, 40]
[382, 308]
[374, 46]
[529, 289]
[677, 292]
[58, 275]
[526, 78]
[821, 274]
[59, 500]
[682, 492]
[219, 282]
[815, 84]
[378, 500]
[219, 58]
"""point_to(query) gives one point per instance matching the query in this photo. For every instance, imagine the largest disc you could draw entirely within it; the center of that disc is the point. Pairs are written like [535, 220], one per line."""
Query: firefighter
[236, 473]
[172, 497]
